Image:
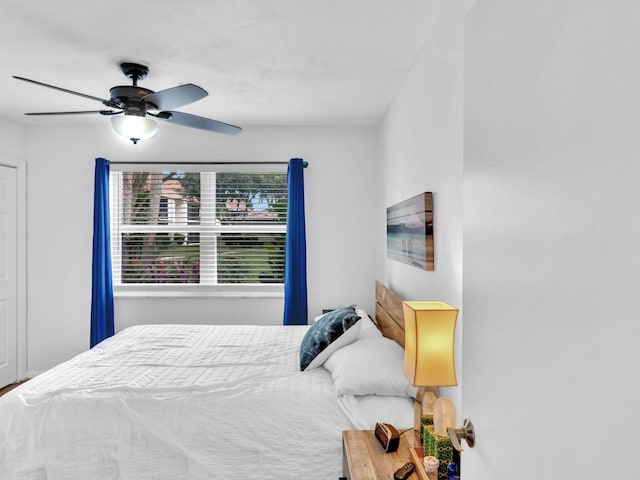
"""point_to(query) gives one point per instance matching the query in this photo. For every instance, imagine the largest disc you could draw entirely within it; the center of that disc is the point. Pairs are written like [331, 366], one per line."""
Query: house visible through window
[198, 228]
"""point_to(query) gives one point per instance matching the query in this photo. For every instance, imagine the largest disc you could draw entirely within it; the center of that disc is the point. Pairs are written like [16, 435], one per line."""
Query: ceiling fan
[133, 108]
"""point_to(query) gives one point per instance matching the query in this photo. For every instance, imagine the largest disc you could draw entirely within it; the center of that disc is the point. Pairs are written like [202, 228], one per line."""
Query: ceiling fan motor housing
[128, 98]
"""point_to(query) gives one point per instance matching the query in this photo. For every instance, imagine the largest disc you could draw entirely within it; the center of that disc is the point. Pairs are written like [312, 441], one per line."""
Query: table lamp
[428, 349]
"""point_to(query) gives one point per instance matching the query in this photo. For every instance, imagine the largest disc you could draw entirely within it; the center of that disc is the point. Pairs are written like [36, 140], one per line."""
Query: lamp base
[418, 409]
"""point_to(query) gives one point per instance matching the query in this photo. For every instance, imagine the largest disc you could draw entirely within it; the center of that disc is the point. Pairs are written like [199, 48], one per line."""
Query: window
[198, 231]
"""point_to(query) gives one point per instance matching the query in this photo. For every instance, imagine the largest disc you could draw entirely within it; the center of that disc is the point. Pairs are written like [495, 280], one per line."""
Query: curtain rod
[305, 164]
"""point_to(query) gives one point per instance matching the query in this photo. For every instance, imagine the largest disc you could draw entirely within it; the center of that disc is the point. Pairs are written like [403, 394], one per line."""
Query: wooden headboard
[389, 314]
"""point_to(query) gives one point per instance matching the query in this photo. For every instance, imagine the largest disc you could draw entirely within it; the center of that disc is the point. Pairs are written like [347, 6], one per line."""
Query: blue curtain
[295, 267]
[102, 325]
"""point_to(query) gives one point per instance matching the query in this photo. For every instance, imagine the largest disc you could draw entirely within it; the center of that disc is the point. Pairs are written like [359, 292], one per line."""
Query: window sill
[198, 291]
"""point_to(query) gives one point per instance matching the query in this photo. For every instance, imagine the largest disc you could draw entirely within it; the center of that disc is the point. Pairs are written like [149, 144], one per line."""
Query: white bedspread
[177, 402]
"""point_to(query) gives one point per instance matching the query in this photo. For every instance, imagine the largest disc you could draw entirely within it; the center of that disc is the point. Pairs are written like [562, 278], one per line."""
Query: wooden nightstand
[364, 459]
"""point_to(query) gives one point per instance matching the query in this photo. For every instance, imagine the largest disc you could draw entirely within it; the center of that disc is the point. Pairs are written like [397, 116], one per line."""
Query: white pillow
[398, 411]
[370, 366]
[367, 328]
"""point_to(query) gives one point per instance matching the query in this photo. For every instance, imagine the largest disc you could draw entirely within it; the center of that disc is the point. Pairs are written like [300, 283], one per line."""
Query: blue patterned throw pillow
[333, 330]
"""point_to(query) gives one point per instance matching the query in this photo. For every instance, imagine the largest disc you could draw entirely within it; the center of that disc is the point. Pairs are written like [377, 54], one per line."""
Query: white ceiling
[263, 62]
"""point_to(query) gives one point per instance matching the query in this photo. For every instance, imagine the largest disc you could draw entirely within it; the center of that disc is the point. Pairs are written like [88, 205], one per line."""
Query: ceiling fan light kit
[134, 127]
[134, 108]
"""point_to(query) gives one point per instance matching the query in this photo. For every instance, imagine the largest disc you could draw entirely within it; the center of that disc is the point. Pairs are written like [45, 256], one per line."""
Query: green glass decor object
[425, 420]
[439, 447]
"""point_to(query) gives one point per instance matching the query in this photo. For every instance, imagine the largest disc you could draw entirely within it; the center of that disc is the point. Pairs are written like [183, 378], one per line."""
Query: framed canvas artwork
[410, 231]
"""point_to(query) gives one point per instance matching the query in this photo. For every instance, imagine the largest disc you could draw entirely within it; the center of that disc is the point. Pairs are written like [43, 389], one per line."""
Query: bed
[204, 402]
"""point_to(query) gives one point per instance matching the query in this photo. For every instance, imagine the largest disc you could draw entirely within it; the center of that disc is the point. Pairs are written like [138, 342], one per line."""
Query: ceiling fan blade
[91, 97]
[101, 112]
[202, 123]
[175, 97]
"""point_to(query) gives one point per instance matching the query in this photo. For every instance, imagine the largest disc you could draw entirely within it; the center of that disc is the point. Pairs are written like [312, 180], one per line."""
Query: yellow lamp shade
[428, 348]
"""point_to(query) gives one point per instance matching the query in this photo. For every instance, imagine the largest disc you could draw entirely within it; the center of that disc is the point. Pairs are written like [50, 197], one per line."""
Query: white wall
[11, 139]
[339, 179]
[420, 150]
[551, 231]
[12, 153]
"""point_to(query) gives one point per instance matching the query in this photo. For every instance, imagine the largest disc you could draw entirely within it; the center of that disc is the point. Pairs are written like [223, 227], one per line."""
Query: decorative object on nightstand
[436, 440]
[442, 442]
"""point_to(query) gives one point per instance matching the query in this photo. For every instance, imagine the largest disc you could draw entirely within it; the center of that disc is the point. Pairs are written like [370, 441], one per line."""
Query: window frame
[189, 290]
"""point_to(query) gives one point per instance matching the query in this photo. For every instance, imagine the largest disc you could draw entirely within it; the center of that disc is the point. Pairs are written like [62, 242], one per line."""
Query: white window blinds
[208, 228]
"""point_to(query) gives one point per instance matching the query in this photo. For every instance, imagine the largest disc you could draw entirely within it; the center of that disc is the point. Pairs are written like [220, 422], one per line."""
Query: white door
[8, 276]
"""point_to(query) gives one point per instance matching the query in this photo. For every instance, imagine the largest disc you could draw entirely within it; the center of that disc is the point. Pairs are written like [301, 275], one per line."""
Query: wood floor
[8, 388]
